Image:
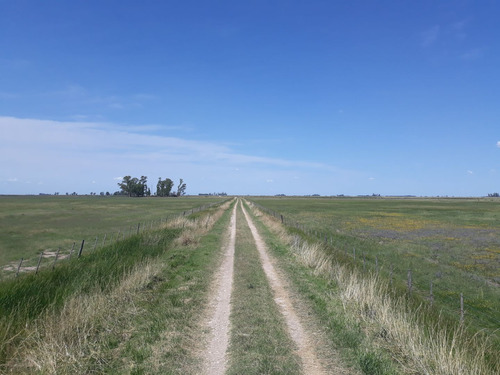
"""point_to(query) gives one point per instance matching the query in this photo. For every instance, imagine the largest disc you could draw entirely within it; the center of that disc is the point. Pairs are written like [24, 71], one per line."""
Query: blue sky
[255, 97]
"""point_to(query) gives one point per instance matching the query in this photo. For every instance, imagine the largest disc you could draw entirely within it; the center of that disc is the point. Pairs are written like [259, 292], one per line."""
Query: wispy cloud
[430, 36]
[79, 94]
[90, 151]
[473, 54]
[498, 144]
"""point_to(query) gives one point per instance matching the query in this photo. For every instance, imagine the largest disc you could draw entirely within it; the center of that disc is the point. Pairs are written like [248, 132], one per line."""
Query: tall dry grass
[194, 229]
[419, 346]
[75, 338]
[71, 340]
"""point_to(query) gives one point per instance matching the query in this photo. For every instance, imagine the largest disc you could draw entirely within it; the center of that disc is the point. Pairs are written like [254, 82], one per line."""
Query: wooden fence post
[138, 227]
[104, 240]
[462, 312]
[354, 253]
[410, 283]
[376, 264]
[95, 244]
[431, 296]
[390, 275]
[55, 260]
[81, 249]
[19, 267]
[39, 261]
[71, 251]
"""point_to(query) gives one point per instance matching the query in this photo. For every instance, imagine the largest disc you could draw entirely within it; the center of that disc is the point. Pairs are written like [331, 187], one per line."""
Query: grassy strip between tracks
[369, 325]
[129, 308]
[259, 341]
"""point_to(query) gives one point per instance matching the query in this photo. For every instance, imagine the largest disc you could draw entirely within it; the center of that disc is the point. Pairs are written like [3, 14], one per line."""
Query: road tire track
[301, 338]
[219, 324]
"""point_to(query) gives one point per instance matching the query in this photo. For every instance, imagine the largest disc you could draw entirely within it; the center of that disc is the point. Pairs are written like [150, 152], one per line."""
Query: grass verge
[101, 313]
[372, 326]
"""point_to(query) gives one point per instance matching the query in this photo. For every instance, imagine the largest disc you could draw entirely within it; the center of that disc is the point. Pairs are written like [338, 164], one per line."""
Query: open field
[31, 224]
[453, 243]
[151, 303]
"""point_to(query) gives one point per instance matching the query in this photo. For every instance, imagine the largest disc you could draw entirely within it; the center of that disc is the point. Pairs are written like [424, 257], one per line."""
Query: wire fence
[48, 258]
[478, 305]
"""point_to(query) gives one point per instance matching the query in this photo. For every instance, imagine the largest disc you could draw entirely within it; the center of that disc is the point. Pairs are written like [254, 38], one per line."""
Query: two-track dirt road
[218, 349]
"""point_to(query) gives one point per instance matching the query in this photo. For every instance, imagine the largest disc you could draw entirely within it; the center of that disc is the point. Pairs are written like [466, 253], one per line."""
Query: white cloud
[71, 155]
[473, 54]
[470, 172]
[430, 36]
[498, 144]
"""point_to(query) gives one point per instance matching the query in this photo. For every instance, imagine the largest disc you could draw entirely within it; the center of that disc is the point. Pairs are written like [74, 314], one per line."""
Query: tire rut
[301, 338]
[215, 355]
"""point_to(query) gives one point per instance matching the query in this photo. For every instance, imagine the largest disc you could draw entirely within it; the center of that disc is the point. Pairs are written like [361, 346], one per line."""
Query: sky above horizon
[256, 97]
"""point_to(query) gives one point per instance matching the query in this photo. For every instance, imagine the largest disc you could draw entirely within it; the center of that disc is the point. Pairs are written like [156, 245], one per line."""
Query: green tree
[164, 187]
[181, 189]
[134, 187]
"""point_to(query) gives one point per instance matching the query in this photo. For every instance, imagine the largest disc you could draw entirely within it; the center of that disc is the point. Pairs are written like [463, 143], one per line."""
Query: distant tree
[107, 193]
[181, 189]
[134, 187]
[164, 187]
[494, 195]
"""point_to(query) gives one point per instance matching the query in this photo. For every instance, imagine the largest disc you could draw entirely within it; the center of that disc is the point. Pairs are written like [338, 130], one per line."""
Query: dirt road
[218, 350]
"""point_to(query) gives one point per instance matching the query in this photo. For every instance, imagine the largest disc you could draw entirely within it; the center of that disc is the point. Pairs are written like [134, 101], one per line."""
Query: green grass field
[453, 243]
[31, 224]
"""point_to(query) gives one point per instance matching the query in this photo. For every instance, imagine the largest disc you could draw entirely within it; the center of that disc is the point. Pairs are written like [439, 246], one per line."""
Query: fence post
[19, 267]
[390, 275]
[95, 244]
[81, 249]
[39, 261]
[104, 240]
[376, 264]
[461, 308]
[55, 260]
[431, 296]
[138, 227]
[354, 253]
[71, 251]
[364, 261]
[282, 219]
[410, 283]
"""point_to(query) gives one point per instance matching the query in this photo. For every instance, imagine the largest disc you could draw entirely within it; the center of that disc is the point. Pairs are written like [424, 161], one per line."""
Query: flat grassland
[453, 243]
[31, 224]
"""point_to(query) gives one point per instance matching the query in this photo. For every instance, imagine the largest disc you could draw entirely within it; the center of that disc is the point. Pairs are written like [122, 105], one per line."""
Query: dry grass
[194, 229]
[75, 339]
[416, 346]
[72, 339]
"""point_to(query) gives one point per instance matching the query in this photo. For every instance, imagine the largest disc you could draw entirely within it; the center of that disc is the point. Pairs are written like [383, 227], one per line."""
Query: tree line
[138, 187]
